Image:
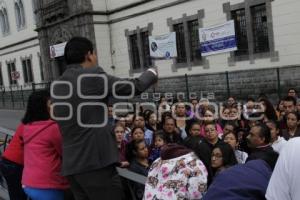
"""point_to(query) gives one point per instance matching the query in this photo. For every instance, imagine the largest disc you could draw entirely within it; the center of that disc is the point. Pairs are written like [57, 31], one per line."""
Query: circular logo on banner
[153, 46]
[168, 55]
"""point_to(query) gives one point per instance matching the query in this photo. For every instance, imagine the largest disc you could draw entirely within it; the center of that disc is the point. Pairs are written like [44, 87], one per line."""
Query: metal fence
[217, 87]
[16, 96]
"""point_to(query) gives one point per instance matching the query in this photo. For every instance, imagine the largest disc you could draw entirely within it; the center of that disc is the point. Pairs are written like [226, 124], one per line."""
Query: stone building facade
[58, 21]
[20, 59]
[268, 34]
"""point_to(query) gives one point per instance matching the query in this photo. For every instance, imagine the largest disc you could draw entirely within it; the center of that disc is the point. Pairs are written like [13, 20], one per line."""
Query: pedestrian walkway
[10, 118]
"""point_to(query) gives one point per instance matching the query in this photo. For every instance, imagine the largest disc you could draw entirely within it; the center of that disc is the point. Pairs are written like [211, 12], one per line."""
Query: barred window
[41, 68]
[260, 28]
[27, 71]
[1, 76]
[239, 18]
[254, 30]
[4, 24]
[20, 14]
[11, 68]
[139, 49]
[145, 49]
[181, 54]
[194, 40]
[135, 58]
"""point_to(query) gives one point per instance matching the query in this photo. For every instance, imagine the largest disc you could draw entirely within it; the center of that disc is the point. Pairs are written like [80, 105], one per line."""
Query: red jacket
[43, 156]
[14, 151]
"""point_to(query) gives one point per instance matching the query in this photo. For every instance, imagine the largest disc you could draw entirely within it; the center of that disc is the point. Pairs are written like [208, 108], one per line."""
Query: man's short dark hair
[250, 99]
[264, 132]
[292, 89]
[292, 99]
[76, 49]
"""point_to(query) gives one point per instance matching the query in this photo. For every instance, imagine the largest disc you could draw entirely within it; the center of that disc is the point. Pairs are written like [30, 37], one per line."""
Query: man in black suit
[80, 99]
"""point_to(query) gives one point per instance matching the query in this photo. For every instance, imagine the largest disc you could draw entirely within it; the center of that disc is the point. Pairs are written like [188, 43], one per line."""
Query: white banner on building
[218, 39]
[57, 50]
[163, 46]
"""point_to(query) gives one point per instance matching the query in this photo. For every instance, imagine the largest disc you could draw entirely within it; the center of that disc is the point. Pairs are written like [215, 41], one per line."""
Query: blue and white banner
[163, 46]
[218, 39]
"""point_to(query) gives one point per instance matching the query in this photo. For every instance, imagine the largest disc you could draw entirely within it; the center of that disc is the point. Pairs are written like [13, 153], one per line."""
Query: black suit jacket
[90, 148]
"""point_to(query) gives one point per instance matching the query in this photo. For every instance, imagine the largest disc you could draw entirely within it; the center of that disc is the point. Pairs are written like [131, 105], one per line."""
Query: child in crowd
[195, 129]
[231, 138]
[159, 141]
[137, 133]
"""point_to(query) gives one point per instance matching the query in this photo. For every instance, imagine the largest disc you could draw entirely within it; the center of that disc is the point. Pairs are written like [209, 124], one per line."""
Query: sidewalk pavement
[3, 194]
[10, 118]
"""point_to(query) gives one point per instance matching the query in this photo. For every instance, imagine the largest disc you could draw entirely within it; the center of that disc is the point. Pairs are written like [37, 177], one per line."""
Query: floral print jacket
[180, 178]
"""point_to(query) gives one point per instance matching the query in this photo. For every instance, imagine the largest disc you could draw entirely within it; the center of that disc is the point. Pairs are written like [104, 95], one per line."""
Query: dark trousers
[104, 184]
[12, 173]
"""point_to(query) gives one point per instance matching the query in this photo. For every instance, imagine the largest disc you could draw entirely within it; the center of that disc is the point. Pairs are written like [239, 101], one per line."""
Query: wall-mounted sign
[163, 46]
[57, 50]
[218, 39]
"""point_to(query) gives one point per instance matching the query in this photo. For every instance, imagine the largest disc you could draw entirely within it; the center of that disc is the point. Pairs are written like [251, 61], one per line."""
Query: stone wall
[242, 84]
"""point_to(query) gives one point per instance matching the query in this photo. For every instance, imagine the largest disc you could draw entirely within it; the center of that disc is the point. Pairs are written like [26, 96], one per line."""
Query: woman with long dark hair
[42, 144]
[222, 157]
[292, 126]
[36, 145]
[137, 154]
[269, 111]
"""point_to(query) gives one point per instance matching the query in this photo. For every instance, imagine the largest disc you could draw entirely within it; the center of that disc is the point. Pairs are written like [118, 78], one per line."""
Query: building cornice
[106, 13]
[18, 43]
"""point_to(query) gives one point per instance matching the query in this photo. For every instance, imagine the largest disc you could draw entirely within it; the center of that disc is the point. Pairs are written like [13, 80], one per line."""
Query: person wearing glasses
[222, 157]
[211, 135]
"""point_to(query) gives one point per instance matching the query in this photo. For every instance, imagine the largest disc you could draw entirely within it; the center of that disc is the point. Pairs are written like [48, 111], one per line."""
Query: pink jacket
[43, 156]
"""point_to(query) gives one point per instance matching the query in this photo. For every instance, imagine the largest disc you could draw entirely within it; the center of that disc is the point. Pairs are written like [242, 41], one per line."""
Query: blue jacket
[241, 182]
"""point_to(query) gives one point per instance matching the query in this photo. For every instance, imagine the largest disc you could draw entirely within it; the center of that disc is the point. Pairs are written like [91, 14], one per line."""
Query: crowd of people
[244, 139]
[195, 150]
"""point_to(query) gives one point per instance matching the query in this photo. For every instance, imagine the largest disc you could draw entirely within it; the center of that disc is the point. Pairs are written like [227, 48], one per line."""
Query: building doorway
[61, 65]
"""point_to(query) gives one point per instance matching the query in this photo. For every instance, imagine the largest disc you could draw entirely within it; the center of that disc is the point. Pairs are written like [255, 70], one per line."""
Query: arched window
[34, 8]
[20, 14]
[4, 24]
[6, 20]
